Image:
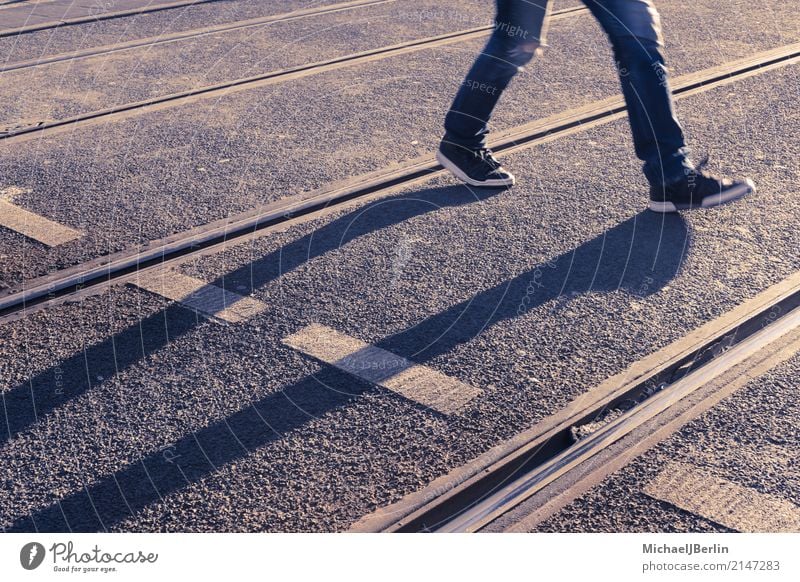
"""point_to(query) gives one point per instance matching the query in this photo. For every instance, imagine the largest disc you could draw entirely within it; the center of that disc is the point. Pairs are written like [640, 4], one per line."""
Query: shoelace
[702, 164]
[485, 156]
[699, 168]
[707, 181]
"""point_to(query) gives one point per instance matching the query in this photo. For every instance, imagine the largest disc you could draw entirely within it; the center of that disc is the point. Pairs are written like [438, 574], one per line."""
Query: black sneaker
[475, 167]
[698, 189]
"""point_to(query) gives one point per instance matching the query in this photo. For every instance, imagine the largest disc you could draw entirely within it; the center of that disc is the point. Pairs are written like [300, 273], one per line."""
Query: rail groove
[193, 33]
[101, 16]
[218, 89]
[474, 496]
[519, 490]
[382, 182]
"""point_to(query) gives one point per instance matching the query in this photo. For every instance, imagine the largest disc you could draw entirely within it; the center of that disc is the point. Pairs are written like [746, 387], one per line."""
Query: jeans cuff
[472, 143]
[666, 169]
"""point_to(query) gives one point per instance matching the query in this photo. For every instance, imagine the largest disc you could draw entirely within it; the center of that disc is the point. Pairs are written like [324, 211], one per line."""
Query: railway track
[181, 97]
[95, 17]
[526, 480]
[193, 33]
[521, 482]
[115, 268]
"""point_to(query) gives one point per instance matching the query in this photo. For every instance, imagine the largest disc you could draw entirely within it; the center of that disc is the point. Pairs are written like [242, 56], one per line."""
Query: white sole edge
[734, 193]
[458, 173]
[729, 195]
[662, 207]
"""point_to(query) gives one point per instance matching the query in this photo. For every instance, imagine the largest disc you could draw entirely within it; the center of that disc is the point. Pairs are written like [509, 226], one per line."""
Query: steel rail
[280, 75]
[489, 488]
[192, 33]
[513, 494]
[221, 232]
[8, 3]
[101, 16]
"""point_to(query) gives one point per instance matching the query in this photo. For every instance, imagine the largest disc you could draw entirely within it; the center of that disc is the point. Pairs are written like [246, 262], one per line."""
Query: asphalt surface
[39, 13]
[83, 85]
[534, 295]
[34, 45]
[751, 439]
[131, 181]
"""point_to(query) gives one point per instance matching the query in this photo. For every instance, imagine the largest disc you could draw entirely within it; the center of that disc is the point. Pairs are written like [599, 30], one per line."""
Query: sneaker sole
[731, 194]
[458, 173]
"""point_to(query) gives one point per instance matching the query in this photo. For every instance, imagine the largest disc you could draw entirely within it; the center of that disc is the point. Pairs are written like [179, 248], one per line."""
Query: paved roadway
[49, 13]
[150, 71]
[171, 421]
[744, 449]
[41, 13]
[155, 174]
[80, 85]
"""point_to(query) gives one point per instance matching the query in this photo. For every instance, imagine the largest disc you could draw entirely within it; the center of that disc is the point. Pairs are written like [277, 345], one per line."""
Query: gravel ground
[20, 15]
[534, 295]
[85, 85]
[751, 438]
[35, 45]
[128, 182]
[50, 42]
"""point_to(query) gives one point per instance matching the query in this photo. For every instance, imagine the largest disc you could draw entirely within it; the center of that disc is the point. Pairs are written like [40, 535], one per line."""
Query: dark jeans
[634, 29]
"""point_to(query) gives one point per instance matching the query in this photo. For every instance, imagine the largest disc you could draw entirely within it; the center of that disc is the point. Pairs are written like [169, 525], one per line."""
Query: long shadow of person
[638, 256]
[373, 217]
[25, 403]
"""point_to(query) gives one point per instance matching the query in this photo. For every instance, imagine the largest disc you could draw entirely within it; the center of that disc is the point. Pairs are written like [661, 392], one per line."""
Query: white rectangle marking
[34, 226]
[418, 383]
[207, 299]
[729, 504]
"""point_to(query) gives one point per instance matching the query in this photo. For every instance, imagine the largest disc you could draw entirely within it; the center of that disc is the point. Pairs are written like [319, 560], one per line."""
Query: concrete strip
[734, 506]
[209, 300]
[418, 383]
[34, 226]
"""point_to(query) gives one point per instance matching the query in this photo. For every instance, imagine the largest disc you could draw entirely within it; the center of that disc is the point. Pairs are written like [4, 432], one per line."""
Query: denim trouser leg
[519, 31]
[632, 26]
[634, 29]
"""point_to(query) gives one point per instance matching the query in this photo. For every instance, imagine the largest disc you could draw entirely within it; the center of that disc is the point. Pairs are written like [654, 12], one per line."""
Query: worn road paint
[32, 225]
[418, 383]
[741, 508]
[209, 300]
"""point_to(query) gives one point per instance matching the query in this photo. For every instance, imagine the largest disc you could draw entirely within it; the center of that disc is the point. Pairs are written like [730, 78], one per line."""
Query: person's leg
[634, 29]
[519, 32]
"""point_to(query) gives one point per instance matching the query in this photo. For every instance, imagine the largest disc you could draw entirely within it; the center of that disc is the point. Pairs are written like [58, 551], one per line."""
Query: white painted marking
[741, 508]
[32, 225]
[418, 383]
[209, 300]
